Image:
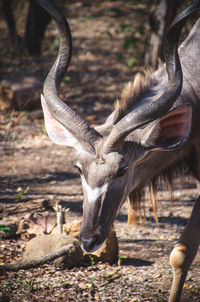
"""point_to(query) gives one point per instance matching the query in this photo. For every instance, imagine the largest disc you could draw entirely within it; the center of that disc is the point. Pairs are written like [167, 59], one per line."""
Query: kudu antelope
[154, 128]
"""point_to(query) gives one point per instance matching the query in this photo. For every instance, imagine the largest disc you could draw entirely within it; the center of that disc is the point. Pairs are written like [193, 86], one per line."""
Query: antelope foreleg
[184, 252]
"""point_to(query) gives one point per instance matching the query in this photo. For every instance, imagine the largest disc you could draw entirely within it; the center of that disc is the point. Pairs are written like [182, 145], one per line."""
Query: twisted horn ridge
[149, 111]
[61, 111]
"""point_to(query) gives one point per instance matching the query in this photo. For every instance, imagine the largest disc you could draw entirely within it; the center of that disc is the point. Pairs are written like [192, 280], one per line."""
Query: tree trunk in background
[160, 19]
[37, 21]
[10, 20]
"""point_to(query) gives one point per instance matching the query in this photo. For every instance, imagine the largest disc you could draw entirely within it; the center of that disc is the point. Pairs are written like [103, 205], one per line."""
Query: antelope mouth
[95, 248]
[92, 244]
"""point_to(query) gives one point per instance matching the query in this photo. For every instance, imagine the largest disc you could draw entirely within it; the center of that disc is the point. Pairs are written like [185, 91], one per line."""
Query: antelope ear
[56, 131]
[169, 132]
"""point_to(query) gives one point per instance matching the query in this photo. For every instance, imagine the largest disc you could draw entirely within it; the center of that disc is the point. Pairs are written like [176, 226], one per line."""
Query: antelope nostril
[91, 244]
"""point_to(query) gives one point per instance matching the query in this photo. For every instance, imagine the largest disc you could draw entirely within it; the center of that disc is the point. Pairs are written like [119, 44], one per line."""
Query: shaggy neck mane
[164, 181]
[133, 91]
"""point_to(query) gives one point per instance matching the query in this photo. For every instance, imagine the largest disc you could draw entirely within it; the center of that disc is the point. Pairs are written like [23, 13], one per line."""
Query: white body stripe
[93, 194]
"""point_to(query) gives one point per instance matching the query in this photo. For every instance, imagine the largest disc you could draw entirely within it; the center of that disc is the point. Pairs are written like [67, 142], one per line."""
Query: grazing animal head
[113, 157]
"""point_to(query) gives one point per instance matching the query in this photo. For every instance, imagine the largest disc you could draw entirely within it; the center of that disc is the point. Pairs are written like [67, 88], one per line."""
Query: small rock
[82, 285]
[109, 250]
[45, 244]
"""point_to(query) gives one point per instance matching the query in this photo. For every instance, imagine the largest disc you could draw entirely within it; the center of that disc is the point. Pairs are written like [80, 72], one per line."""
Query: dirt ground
[34, 171]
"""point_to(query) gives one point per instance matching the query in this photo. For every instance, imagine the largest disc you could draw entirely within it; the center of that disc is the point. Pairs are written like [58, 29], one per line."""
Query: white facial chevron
[93, 194]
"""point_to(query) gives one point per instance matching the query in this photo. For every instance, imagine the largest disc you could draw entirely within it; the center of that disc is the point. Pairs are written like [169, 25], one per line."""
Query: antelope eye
[78, 168]
[122, 170]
